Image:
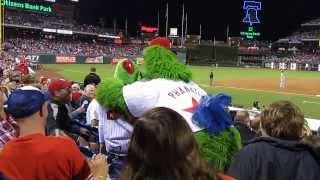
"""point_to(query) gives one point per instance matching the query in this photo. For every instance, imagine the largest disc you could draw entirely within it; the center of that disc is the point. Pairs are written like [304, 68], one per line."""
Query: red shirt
[225, 177]
[43, 158]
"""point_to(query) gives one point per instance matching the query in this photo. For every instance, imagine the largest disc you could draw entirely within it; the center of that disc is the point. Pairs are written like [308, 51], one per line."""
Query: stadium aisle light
[251, 8]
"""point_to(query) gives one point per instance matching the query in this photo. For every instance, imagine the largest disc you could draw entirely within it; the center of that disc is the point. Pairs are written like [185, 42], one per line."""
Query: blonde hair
[283, 120]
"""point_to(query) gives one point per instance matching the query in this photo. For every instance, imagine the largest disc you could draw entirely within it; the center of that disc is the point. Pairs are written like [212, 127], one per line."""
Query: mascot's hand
[109, 95]
[126, 71]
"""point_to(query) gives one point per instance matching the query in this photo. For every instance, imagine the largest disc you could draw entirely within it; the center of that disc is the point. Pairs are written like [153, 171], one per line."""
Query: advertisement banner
[65, 59]
[319, 67]
[94, 60]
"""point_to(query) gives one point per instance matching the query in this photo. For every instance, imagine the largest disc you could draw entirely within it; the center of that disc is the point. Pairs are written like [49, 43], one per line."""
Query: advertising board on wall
[66, 60]
[94, 60]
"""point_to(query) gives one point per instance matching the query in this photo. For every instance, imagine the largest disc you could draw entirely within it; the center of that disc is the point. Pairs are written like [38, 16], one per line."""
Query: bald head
[242, 117]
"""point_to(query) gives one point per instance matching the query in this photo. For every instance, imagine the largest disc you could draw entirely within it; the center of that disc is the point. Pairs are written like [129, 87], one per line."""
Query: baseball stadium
[148, 101]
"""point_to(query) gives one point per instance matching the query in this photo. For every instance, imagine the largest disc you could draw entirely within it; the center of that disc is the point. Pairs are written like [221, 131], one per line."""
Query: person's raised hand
[99, 167]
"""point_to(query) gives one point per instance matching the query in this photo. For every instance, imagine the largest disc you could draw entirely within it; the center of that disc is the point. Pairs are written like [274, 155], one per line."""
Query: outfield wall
[53, 59]
[57, 59]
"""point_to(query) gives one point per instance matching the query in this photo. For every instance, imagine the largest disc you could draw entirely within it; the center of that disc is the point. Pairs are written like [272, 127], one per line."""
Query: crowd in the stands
[306, 58]
[23, 46]
[55, 129]
[49, 20]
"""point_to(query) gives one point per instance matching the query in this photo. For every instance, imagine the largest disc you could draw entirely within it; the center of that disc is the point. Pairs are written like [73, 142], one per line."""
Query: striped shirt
[7, 131]
[115, 134]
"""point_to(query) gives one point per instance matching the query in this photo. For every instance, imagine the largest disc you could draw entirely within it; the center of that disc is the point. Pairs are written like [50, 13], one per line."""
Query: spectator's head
[90, 91]
[75, 97]
[29, 80]
[75, 87]
[93, 69]
[283, 120]
[163, 147]
[242, 117]
[12, 85]
[60, 90]
[43, 80]
[27, 105]
[16, 76]
[255, 123]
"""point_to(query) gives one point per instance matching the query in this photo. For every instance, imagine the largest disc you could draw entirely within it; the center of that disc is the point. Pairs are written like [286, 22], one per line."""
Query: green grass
[200, 75]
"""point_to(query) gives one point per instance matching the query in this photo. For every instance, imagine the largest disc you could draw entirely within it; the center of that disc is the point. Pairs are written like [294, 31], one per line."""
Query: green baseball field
[243, 84]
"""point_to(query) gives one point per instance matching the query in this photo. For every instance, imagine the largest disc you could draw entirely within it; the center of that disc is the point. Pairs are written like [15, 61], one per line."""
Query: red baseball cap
[161, 41]
[59, 84]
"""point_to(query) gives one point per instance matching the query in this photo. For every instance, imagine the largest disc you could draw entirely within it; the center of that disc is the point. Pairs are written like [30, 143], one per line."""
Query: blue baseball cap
[25, 101]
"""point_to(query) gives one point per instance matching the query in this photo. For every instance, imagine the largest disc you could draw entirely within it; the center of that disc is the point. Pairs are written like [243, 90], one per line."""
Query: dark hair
[93, 69]
[283, 120]
[163, 147]
[241, 116]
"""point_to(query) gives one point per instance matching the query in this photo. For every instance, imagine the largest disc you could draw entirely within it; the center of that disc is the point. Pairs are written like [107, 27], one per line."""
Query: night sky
[279, 17]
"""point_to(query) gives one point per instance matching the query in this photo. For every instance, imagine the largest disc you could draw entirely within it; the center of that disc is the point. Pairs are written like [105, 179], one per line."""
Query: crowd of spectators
[22, 46]
[277, 143]
[52, 21]
[303, 58]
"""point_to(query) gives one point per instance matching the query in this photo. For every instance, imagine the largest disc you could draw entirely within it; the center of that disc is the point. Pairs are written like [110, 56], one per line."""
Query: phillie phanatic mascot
[163, 81]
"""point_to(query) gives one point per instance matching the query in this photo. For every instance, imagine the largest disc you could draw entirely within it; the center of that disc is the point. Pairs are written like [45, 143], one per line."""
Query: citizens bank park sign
[27, 6]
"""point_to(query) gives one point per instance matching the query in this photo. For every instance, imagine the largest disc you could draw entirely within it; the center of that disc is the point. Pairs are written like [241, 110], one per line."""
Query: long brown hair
[163, 147]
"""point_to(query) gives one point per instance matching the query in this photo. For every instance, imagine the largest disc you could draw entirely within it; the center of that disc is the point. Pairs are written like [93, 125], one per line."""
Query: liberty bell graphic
[251, 8]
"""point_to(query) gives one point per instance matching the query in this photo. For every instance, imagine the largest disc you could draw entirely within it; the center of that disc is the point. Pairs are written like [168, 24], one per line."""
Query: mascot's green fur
[160, 62]
[163, 63]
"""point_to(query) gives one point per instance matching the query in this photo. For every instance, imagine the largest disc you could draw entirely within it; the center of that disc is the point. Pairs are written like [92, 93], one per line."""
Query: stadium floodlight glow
[251, 8]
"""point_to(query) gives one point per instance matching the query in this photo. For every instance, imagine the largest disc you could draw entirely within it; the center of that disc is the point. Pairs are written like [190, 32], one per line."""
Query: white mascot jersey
[179, 96]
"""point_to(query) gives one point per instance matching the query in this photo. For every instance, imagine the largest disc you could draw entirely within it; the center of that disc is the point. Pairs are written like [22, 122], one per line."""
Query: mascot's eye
[128, 66]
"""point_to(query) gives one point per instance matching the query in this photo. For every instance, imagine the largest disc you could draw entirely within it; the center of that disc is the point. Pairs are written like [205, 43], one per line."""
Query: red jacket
[22, 68]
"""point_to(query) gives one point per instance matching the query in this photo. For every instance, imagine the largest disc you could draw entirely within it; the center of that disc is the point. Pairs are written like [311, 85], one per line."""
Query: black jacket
[246, 132]
[268, 158]
[60, 117]
[91, 78]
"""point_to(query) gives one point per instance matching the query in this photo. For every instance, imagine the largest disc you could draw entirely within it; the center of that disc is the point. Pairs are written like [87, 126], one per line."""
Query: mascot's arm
[219, 149]
[219, 140]
[109, 95]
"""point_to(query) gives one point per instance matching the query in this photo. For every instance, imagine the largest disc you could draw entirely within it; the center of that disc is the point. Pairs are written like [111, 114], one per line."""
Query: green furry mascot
[168, 83]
